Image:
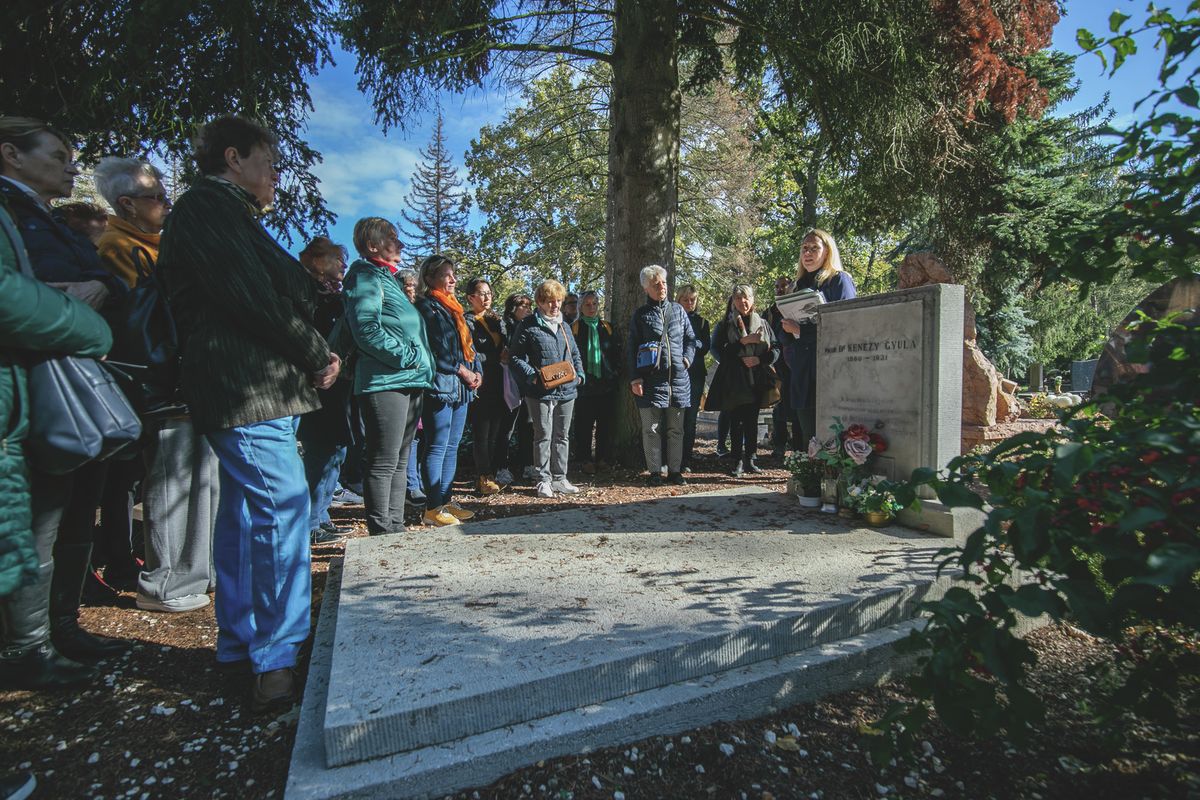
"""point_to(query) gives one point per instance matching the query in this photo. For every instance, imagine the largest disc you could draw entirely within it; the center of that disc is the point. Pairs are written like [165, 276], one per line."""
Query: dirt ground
[163, 723]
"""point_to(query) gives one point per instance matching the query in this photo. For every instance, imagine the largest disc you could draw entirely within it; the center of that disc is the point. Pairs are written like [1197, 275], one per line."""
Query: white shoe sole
[178, 605]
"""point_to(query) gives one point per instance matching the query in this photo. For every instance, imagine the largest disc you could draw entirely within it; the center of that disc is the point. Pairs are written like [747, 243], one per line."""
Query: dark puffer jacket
[668, 386]
[533, 347]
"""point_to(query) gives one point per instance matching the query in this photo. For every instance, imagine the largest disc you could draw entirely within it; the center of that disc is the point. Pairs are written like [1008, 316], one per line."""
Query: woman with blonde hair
[456, 380]
[542, 339]
[820, 269]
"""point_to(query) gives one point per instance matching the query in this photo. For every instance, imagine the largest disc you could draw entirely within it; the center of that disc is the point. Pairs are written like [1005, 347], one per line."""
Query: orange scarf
[451, 304]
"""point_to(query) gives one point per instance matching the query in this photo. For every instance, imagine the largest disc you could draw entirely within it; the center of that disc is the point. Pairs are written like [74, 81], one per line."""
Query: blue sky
[367, 172]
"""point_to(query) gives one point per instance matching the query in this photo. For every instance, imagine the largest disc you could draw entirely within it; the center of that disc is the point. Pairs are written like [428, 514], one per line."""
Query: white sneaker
[188, 602]
[545, 490]
[663, 470]
[504, 477]
[564, 486]
[344, 497]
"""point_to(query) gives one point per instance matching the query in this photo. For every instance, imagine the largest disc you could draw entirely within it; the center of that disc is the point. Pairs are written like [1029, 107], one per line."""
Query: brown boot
[274, 690]
[484, 486]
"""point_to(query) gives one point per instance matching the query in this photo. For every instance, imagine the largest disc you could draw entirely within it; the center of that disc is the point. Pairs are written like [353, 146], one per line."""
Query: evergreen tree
[440, 206]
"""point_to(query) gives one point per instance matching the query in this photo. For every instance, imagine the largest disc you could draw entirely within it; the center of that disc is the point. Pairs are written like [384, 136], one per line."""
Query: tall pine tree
[438, 203]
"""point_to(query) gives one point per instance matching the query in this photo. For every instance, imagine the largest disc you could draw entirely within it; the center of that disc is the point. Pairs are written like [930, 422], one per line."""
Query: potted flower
[847, 456]
[875, 499]
[807, 471]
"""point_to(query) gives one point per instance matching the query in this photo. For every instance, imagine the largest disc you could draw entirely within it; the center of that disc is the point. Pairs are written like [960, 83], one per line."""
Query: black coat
[491, 392]
[610, 353]
[734, 384]
[698, 371]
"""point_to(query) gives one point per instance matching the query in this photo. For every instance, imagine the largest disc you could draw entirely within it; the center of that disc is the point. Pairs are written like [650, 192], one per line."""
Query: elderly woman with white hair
[140, 203]
[662, 346]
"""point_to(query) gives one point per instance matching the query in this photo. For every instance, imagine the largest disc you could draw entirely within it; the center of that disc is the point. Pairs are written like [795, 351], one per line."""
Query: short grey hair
[118, 177]
[744, 290]
[650, 273]
[406, 275]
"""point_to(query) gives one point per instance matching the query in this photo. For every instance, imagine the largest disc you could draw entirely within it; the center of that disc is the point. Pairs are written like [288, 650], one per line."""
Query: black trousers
[594, 412]
[491, 423]
[743, 431]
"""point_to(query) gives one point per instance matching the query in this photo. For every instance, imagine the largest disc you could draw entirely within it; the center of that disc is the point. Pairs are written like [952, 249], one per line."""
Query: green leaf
[1033, 601]
[1115, 20]
[1189, 96]
[1086, 40]
[957, 495]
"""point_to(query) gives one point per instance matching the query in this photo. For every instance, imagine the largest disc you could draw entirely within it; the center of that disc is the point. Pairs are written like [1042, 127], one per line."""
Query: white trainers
[564, 486]
[188, 602]
[545, 490]
[504, 477]
[344, 497]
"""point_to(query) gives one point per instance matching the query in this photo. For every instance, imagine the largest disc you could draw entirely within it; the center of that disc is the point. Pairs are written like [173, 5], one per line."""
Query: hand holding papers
[800, 306]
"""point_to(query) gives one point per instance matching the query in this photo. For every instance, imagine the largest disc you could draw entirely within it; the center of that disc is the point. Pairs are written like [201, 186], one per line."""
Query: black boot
[749, 466]
[41, 667]
[72, 562]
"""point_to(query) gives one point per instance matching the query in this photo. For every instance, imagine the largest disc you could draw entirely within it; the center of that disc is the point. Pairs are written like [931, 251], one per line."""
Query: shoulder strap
[565, 337]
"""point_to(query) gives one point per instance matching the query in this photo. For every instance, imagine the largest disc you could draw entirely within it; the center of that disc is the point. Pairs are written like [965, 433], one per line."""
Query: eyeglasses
[158, 198]
[482, 294]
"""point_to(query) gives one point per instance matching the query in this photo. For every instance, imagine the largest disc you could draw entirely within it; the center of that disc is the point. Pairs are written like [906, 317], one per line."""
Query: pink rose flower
[859, 450]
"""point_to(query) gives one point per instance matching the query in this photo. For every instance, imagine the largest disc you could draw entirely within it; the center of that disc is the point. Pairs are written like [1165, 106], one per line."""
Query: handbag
[773, 393]
[77, 413]
[146, 340]
[560, 372]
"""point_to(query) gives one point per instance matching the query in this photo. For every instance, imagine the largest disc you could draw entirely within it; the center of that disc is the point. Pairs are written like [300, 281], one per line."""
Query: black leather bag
[145, 337]
[77, 414]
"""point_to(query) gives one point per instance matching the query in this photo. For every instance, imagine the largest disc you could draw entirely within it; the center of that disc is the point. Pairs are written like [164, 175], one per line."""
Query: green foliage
[1004, 337]
[541, 174]
[137, 78]
[1095, 521]
[1152, 232]
[1073, 325]
[438, 204]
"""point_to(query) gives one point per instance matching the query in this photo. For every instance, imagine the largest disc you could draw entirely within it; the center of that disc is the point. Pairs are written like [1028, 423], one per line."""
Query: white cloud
[365, 174]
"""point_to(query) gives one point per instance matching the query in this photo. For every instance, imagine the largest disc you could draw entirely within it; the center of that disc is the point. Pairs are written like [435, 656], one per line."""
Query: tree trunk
[643, 172]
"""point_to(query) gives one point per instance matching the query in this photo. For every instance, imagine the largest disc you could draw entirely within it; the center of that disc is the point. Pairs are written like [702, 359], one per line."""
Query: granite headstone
[896, 359]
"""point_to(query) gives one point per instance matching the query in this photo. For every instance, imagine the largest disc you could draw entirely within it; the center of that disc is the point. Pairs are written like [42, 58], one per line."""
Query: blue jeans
[322, 465]
[416, 489]
[261, 545]
[442, 431]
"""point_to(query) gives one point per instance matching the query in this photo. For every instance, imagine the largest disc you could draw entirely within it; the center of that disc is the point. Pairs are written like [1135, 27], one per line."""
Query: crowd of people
[302, 382]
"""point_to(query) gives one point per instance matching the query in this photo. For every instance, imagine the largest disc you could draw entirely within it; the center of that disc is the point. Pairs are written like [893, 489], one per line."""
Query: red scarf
[379, 262]
[451, 304]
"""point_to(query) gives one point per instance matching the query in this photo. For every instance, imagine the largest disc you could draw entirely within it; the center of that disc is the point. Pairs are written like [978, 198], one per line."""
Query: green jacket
[393, 348]
[244, 312]
[33, 317]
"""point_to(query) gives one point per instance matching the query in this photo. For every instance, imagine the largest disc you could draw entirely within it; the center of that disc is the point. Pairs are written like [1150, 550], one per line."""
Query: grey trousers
[657, 423]
[179, 509]
[551, 420]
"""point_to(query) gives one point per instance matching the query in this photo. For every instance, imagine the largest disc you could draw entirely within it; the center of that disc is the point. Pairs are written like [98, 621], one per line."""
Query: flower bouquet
[875, 499]
[847, 455]
[807, 471]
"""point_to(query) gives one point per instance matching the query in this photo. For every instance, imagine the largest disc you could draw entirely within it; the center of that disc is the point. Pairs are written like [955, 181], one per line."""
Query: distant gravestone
[1082, 373]
[896, 358]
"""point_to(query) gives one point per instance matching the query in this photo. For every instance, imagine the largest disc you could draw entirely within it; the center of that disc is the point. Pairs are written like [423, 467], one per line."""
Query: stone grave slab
[447, 634]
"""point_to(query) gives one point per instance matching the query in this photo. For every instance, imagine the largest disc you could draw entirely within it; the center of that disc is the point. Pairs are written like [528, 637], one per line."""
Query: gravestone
[1082, 373]
[896, 359]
